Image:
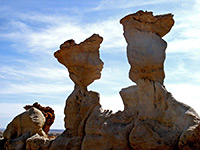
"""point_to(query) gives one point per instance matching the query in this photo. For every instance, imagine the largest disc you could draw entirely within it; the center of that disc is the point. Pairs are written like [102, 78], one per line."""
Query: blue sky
[32, 30]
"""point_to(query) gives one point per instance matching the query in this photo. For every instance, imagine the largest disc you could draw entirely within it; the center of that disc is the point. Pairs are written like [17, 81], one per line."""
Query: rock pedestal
[84, 66]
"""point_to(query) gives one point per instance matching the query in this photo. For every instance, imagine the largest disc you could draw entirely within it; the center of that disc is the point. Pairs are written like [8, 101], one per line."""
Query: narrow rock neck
[81, 88]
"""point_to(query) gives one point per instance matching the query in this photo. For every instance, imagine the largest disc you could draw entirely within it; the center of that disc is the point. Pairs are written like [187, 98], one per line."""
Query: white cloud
[38, 79]
[36, 88]
[59, 116]
[44, 72]
[184, 37]
[44, 40]
[117, 4]
[58, 30]
[186, 93]
[189, 45]
[113, 103]
[48, 39]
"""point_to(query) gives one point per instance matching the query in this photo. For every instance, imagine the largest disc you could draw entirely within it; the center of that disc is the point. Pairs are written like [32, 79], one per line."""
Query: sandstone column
[161, 122]
[84, 66]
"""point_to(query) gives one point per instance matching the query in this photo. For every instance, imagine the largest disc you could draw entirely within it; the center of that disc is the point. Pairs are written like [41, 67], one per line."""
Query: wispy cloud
[47, 39]
[35, 88]
[48, 73]
[57, 29]
[37, 36]
[184, 37]
[119, 4]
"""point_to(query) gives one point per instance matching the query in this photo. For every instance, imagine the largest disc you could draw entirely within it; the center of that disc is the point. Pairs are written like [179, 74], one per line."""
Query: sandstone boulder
[37, 142]
[23, 126]
[48, 113]
[146, 55]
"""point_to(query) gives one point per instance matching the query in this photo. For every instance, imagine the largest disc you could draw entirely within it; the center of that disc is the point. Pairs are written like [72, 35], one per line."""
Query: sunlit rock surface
[82, 60]
[152, 118]
[147, 22]
[146, 48]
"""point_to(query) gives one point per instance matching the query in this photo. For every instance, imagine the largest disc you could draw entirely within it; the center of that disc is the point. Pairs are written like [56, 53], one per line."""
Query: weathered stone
[146, 49]
[22, 127]
[160, 119]
[84, 66]
[2, 143]
[107, 130]
[145, 21]
[48, 113]
[146, 55]
[82, 60]
[152, 118]
[37, 142]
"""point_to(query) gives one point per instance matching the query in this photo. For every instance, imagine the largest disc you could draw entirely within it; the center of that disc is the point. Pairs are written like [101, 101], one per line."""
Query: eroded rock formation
[152, 118]
[28, 125]
[146, 48]
[84, 66]
[37, 142]
[82, 60]
[48, 113]
[147, 22]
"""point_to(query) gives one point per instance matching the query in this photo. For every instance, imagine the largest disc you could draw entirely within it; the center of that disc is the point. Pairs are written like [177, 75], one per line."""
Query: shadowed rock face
[152, 118]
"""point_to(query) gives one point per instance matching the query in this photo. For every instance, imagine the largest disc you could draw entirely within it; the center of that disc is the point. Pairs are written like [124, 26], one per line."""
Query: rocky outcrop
[152, 118]
[2, 141]
[84, 66]
[48, 113]
[25, 131]
[37, 142]
[146, 48]
[161, 121]
[22, 127]
[147, 22]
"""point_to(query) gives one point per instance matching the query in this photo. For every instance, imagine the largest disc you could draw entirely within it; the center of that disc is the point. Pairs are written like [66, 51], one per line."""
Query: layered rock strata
[152, 119]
